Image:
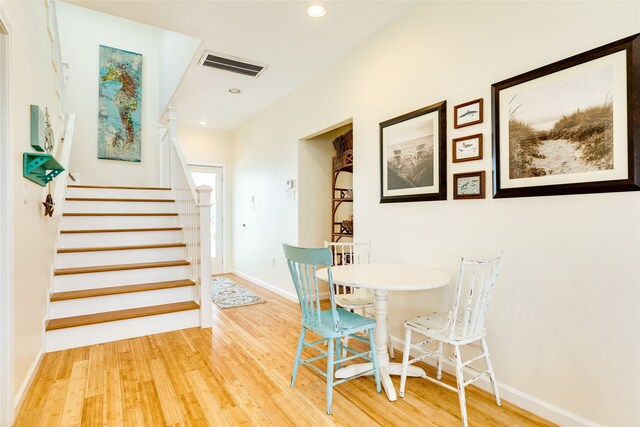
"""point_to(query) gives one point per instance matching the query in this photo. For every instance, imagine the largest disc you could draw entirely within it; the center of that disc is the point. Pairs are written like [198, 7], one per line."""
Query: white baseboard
[28, 380]
[270, 287]
[517, 397]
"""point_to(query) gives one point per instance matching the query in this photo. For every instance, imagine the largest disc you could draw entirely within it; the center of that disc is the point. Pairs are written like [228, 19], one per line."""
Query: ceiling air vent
[232, 63]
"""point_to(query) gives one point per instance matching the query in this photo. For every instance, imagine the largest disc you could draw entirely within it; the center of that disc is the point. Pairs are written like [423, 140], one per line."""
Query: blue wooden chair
[331, 325]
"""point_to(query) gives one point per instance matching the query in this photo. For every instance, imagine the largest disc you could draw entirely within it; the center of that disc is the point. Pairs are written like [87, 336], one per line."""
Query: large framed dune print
[570, 127]
[119, 105]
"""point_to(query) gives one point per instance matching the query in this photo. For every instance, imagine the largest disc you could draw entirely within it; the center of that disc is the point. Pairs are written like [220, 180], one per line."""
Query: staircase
[121, 268]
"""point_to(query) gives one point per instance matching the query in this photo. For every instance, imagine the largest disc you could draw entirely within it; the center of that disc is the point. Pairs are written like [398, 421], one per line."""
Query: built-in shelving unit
[342, 218]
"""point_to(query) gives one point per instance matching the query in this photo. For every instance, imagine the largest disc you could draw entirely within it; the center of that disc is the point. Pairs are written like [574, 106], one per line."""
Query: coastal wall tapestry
[119, 105]
[570, 127]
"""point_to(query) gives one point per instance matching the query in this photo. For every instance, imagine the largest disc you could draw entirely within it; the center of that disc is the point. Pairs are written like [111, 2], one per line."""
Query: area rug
[226, 294]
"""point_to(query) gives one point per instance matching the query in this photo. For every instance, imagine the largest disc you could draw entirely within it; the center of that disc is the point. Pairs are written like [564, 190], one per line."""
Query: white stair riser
[86, 240]
[122, 329]
[75, 282]
[102, 222]
[113, 193]
[85, 259]
[78, 307]
[120, 207]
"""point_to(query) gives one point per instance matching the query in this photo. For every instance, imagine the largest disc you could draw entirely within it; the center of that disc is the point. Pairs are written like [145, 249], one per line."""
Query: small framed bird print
[468, 185]
[467, 114]
[467, 148]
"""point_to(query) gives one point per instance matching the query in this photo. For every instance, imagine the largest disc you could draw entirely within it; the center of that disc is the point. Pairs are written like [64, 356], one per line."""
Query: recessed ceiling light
[316, 11]
[202, 122]
[234, 90]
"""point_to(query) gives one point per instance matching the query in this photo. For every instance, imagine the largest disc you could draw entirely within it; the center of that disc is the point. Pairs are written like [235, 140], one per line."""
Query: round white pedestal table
[385, 278]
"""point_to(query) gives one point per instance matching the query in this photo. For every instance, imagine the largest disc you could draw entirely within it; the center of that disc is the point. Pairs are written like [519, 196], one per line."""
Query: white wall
[32, 81]
[564, 320]
[202, 146]
[81, 32]
[176, 54]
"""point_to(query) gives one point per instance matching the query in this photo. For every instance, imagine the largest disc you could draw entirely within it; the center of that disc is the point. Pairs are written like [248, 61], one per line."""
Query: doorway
[213, 177]
[6, 234]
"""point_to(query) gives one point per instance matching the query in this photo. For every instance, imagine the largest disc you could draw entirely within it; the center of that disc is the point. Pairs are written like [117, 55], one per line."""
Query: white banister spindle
[204, 206]
[164, 156]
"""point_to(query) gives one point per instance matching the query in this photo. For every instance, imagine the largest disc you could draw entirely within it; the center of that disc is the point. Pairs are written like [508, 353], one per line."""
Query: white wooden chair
[462, 325]
[349, 297]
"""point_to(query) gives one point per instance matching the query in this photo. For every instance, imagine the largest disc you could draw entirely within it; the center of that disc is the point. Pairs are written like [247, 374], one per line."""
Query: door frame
[222, 212]
[6, 230]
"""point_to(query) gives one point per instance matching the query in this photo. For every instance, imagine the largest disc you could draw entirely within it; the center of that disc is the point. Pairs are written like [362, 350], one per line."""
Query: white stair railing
[194, 210]
[63, 154]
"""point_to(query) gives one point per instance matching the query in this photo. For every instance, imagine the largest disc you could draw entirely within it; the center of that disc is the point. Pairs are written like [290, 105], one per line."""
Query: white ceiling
[278, 33]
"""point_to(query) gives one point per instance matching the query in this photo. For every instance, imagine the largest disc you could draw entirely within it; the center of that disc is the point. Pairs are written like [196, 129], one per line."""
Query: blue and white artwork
[119, 105]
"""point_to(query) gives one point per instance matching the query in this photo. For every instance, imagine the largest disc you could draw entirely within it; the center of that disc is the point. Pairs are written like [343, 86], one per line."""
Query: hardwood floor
[237, 375]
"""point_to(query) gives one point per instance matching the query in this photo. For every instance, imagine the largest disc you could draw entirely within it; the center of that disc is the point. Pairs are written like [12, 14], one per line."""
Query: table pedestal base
[385, 374]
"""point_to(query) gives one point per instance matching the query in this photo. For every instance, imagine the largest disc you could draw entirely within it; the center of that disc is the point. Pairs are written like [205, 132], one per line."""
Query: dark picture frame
[570, 127]
[413, 156]
[467, 148]
[469, 185]
[468, 114]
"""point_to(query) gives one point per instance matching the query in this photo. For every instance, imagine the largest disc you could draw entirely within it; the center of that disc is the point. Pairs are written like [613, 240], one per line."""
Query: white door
[212, 176]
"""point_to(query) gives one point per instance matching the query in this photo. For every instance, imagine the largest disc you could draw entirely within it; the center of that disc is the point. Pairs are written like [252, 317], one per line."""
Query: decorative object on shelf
[570, 127]
[467, 114]
[467, 148]
[342, 145]
[40, 168]
[41, 132]
[48, 205]
[119, 105]
[413, 159]
[347, 225]
[468, 185]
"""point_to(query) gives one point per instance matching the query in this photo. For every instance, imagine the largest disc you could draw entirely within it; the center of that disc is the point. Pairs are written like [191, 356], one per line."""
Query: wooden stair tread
[115, 199]
[118, 267]
[121, 248]
[115, 290]
[115, 187]
[110, 316]
[120, 230]
[120, 214]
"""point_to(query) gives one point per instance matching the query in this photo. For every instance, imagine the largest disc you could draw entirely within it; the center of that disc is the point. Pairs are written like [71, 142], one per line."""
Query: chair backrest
[303, 264]
[473, 294]
[344, 253]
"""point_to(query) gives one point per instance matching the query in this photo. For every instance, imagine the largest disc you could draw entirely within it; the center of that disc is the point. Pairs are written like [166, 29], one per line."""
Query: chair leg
[345, 343]
[340, 353]
[405, 360]
[492, 376]
[439, 360]
[296, 362]
[330, 353]
[374, 360]
[460, 381]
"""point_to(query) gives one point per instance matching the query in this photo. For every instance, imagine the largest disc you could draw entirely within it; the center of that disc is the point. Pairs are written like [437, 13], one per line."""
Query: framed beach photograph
[570, 127]
[467, 114]
[413, 159]
[467, 148]
[468, 185]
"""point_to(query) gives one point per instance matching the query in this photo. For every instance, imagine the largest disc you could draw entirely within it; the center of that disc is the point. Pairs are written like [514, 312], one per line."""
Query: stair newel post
[204, 208]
